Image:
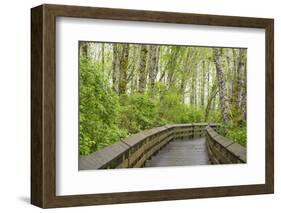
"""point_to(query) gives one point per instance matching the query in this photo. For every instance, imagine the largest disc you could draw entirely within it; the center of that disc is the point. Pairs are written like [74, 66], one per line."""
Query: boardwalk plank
[181, 153]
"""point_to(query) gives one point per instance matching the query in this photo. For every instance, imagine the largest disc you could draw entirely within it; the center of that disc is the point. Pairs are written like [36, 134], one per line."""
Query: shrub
[99, 110]
[236, 133]
[138, 112]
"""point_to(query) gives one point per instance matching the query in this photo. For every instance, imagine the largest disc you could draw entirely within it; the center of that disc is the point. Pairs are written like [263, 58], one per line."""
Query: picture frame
[43, 105]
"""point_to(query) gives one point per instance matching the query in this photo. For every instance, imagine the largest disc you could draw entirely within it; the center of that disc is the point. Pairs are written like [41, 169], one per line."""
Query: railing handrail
[236, 153]
[104, 157]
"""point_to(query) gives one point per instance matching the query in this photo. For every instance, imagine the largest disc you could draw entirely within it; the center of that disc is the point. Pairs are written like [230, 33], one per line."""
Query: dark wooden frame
[43, 105]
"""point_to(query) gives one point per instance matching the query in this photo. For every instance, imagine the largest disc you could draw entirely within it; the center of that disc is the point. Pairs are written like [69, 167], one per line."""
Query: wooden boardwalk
[164, 147]
[181, 153]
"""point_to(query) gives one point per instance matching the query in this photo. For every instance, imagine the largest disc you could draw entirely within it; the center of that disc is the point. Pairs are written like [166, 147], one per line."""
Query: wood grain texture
[36, 106]
[43, 102]
[269, 119]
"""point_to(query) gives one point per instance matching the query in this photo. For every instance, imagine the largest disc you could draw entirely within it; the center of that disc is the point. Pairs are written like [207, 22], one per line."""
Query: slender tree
[217, 53]
[230, 71]
[193, 94]
[243, 80]
[142, 69]
[185, 73]
[152, 67]
[124, 59]
[133, 76]
[235, 53]
[171, 66]
[203, 79]
[211, 98]
[115, 65]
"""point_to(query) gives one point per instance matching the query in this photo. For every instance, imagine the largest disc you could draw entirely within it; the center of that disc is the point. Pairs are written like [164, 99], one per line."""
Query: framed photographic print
[136, 106]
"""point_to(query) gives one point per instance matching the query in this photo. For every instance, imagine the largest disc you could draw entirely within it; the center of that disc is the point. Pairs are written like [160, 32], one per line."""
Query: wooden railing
[136, 149]
[222, 150]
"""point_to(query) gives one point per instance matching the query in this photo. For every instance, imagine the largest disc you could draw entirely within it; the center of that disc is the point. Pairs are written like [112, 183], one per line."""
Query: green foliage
[173, 110]
[170, 107]
[236, 133]
[194, 115]
[138, 113]
[214, 117]
[235, 114]
[99, 109]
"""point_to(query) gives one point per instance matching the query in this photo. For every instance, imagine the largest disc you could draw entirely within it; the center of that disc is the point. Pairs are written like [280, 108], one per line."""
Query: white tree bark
[221, 83]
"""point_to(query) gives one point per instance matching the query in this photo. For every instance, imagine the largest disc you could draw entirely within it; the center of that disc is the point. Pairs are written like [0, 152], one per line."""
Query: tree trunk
[185, 73]
[230, 70]
[235, 53]
[203, 85]
[192, 93]
[240, 76]
[193, 96]
[152, 66]
[123, 69]
[208, 81]
[84, 50]
[217, 53]
[142, 69]
[211, 98]
[133, 66]
[171, 67]
[115, 65]
[102, 56]
[243, 83]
